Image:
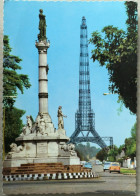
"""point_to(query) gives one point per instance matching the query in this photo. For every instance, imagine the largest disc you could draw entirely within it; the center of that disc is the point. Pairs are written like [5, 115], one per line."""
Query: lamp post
[110, 93]
[107, 93]
[4, 127]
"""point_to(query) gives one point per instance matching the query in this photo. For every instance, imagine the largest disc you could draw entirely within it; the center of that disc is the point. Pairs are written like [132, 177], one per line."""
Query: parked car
[107, 165]
[98, 162]
[114, 167]
[88, 165]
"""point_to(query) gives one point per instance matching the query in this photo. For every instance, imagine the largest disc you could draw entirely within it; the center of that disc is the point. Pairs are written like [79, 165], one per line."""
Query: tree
[86, 152]
[130, 143]
[102, 155]
[113, 153]
[13, 125]
[130, 147]
[133, 131]
[11, 79]
[11, 82]
[122, 147]
[117, 50]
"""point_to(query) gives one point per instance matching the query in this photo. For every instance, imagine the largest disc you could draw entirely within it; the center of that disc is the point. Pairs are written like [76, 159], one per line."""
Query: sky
[63, 30]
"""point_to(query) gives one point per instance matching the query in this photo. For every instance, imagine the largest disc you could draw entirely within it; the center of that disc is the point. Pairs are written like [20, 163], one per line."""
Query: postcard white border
[138, 93]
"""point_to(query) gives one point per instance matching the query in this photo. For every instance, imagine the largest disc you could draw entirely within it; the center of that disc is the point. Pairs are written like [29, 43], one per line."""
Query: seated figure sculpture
[27, 129]
[40, 124]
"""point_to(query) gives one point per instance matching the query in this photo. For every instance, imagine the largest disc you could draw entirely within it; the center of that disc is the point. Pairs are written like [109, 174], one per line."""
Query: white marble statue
[69, 148]
[60, 118]
[40, 124]
[29, 122]
[14, 149]
[27, 129]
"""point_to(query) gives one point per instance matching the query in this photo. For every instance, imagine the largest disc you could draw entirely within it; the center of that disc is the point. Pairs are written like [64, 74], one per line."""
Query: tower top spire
[83, 22]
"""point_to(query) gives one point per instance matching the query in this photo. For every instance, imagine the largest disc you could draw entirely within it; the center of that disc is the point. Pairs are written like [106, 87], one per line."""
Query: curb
[54, 176]
[129, 174]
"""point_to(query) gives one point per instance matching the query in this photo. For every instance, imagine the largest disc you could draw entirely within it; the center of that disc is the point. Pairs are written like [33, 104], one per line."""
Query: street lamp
[107, 93]
[4, 126]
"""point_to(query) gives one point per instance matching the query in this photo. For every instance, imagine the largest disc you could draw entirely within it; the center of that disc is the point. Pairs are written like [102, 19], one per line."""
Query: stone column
[42, 47]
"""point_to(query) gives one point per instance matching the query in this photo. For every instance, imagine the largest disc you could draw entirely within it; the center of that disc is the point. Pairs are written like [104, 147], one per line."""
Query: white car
[107, 165]
[98, 162]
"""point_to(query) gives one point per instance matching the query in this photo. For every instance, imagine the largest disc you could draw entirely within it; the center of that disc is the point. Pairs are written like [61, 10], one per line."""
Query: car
[88, 165]
[114, 167]
[107, 165]
[97, 162]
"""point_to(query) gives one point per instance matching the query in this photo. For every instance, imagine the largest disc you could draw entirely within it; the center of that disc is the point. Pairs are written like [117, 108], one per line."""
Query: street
[106, 185]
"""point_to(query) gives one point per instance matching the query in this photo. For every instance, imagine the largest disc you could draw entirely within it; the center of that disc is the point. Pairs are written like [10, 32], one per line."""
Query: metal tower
[85, 117]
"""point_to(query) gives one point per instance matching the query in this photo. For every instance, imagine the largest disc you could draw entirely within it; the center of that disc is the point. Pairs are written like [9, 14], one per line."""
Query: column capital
[42, 46]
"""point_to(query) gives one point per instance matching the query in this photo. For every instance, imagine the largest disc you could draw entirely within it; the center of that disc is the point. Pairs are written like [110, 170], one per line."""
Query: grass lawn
[128, 171]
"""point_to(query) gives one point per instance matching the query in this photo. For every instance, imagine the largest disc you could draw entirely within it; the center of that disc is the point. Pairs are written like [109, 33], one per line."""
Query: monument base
[46, 171]
[17, 162]
[36, 148]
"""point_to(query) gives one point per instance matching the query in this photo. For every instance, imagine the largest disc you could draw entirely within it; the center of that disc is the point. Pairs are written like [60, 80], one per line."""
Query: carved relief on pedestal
[67, 149]
[15, 149]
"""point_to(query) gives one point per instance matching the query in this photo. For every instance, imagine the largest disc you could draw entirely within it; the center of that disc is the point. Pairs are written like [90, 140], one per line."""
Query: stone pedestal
[43, 144]
[49, 149]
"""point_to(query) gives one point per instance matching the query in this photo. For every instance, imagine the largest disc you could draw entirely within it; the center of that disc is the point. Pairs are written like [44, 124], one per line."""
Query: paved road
[107, 185]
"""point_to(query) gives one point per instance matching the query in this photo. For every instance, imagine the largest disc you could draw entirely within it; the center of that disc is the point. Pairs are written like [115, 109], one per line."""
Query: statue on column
[42, 26]
[60, 118]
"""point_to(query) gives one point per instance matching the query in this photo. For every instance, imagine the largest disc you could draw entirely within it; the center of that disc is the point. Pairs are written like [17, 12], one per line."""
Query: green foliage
[127, 171]
[113, 153]
[122, 147]
[111, 159]
[120, 161]
[11, 79]
[117, 50]
[102, 155]
[130, 143]
[133, 131]
[13, 125]
[130, 147]
[86, 152]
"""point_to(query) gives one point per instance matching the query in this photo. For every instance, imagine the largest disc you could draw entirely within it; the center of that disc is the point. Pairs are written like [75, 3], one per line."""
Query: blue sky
[63, 30]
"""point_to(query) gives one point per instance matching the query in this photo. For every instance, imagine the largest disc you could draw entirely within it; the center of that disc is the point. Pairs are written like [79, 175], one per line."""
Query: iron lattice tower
[85, 117]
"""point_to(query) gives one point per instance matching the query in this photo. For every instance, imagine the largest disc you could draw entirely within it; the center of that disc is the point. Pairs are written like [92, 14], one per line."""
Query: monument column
[42, 45]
